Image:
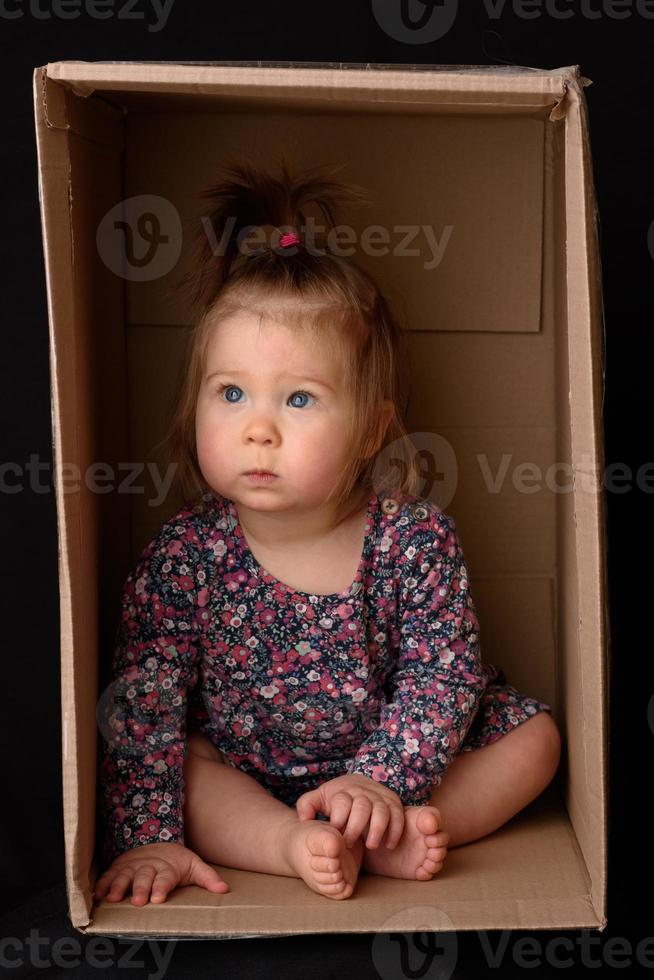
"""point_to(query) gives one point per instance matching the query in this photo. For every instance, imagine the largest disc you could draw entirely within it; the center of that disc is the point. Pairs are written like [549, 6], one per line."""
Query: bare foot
[420, 852]
[319, 855]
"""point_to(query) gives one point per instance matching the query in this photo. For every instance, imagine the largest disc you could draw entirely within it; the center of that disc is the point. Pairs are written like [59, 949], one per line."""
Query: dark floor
[39, 941]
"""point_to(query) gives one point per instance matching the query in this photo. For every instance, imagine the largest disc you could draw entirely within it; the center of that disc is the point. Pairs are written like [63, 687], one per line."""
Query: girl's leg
[230, 819]
[219, 801]
[480, 791]
[484, 788]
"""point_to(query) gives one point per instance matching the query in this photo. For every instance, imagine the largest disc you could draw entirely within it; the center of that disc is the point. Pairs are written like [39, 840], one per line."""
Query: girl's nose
[261, 430]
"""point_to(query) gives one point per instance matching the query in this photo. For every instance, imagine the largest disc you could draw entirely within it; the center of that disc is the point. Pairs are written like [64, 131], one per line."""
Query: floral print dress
[384, 679]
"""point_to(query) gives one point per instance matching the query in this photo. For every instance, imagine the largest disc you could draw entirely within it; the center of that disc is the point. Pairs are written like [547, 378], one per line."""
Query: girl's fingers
[143, 884]
[163, 882]
[378, 823]
[396, 827]
[340, 808]
[207, 877]
[120, 884]
[308, 805]
[359, 817]
[102, 884]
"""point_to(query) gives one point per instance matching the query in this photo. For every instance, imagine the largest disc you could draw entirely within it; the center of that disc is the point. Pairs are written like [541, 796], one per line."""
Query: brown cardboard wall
[90, 421]
[507, 368]
[489, 234]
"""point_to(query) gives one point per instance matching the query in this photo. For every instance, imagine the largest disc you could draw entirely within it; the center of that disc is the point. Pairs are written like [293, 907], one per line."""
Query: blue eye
[303, 393]
[234, 401]
[229, 388]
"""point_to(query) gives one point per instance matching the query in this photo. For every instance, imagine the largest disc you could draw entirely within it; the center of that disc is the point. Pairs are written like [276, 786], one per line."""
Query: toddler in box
[297, 685]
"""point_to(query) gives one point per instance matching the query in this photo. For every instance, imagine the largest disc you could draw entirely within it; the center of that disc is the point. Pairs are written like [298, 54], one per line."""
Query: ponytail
[240, 262]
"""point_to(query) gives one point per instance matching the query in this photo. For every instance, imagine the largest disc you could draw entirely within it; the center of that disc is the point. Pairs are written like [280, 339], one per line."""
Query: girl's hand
[356, 803]
[155, 869]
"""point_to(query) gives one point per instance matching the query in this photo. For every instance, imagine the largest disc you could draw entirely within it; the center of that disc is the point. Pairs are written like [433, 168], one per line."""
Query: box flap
[473, 85]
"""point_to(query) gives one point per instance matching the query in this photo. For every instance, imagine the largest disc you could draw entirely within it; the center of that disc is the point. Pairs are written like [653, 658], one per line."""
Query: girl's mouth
[261, 476]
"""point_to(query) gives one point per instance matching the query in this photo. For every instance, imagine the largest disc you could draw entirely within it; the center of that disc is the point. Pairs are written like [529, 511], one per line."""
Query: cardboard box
[513, 312]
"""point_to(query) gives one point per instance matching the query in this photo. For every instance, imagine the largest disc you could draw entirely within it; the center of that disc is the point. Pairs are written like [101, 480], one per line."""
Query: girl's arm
[142, 714]
[435, 689]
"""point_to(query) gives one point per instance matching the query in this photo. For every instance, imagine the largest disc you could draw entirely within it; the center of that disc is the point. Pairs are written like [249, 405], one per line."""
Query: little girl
[297, 682]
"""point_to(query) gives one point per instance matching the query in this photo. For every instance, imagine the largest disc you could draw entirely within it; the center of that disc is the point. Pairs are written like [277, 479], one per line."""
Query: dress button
[420, 512]
[389, 505]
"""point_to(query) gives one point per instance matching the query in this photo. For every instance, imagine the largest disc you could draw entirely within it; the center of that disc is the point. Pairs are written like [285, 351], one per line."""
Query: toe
[333, 887]
[329, 877]
[437, 840]
[428, 820]
[321, 863]
[323, 843]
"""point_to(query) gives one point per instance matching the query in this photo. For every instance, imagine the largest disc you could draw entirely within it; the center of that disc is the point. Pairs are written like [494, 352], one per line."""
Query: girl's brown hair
[323, 296]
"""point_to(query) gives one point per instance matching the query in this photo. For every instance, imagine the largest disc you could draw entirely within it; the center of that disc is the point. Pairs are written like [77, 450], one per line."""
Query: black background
[616, 54]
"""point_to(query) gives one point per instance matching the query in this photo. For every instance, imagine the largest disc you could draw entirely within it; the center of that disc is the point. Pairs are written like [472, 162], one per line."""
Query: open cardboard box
[512, 316]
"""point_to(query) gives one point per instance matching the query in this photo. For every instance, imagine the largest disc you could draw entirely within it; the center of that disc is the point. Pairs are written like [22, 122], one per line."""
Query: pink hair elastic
[289, 239]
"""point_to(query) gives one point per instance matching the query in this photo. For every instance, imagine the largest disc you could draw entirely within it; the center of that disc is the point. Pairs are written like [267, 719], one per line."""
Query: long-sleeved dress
[383, 679]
